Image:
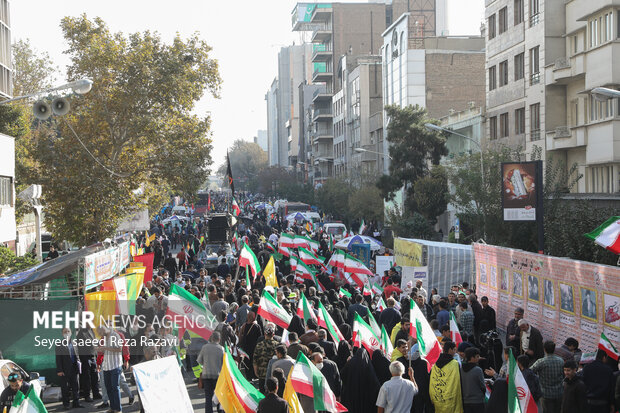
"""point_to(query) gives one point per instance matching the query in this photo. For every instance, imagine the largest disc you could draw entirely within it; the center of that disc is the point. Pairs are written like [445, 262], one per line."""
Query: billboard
[561, 297]
[521, 190]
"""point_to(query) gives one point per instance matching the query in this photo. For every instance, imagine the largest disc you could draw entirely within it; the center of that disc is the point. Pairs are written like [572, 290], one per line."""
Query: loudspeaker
[60, 106]
[41, 110]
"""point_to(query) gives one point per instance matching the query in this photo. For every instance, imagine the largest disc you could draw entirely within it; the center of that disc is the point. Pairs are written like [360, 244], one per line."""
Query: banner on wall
[407, 253]
[384, 263]
[103, 265]
[561, 297]
[411, 275]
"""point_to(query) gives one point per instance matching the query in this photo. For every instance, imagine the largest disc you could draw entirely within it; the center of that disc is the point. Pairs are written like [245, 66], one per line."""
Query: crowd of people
[470, 374]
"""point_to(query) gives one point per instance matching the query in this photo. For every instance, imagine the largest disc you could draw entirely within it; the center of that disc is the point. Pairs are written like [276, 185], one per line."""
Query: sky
[245, 36]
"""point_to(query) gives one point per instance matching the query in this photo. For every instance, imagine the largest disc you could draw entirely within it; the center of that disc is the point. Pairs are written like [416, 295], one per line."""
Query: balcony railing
[324, 111]
[535, 135]
[534, 19]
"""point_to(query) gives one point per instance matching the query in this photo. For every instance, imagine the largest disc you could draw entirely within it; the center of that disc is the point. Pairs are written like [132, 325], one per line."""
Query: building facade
[261, 140]
[8, 229]
[6, 67]
[438, 73]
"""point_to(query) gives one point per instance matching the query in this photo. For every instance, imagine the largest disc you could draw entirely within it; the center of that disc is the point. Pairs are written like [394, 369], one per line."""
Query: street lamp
[436, 128]
[362, 150]
[603, 93]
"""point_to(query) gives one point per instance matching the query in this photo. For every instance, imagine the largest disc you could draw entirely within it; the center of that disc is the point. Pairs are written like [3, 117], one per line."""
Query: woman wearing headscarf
[381, 365]
[360, 385]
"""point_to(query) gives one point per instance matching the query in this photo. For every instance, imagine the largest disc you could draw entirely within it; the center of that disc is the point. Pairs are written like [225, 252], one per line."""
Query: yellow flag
[291, 397]
[102, 304]
[225, 391]
[270, 274]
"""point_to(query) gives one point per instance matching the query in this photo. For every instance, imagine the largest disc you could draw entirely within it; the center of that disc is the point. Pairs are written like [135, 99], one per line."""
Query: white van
[335, 229]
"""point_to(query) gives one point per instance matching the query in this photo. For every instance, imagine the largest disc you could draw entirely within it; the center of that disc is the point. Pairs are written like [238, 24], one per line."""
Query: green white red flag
[381, 304]
[233, 391]
[286, 240]
[309, 381]
[27, 403]
[376, 289]
[337, 259]
[309, 257]
[520, 399]
[386, 343]
[607, 346]
[189, 312]
[364, 336]
[430, 349]
[326, 321]
[236, 211]
[272, 311]
[373, 324]
[455, 334]
[355, 266]
[301, 241]
[344, 293]
[304, 310]
[314, 245]
[608, 235]
[248, 259]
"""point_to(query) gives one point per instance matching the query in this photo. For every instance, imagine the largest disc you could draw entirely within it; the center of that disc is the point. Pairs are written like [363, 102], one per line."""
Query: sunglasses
[13, 377]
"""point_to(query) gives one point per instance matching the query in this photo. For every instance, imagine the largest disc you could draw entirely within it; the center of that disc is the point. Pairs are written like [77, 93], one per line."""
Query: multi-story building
[351, 29]
[294, 68]
[304, 167]
[439, 73]
[520, 43]
[261, 140]
[8, 229]
[583, 129]
[6, 71]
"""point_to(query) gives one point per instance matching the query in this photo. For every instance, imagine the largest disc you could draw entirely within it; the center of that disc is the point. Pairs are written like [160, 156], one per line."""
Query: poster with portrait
[549, 292]
[493, 276]
[611, 309]
[504, 280]
[588, 304]
[567, 299]
[533, 291]
[483, 273]
[517, 284]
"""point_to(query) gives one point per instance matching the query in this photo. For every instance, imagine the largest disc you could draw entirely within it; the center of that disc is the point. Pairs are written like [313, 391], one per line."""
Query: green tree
[412, 225]
[333, 198]
[33, 71]
[431, 193]
[9, 263]
[412, 148]
[133, 137]
[247, 160]
[366, 203]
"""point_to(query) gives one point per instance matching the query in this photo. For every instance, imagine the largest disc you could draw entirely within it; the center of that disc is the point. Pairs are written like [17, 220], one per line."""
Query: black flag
[231, 181]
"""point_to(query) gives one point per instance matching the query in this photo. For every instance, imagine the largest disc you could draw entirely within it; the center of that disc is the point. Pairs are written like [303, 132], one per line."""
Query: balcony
[322, 54]
[564, 137]
[565, 70]
[322, 115]
[321, 96]
[322, 76]
[322, 12]
[322, 34]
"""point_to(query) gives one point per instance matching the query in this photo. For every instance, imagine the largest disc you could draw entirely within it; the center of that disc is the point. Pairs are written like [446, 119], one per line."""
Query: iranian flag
[286, 240]
[326, 321]
[308, 380]
[27, 403]
[309, 257]
[358, 279]
[301, 241]
[366, 289]
[364, 336]
[247, 258]
[376, 289]
[355, 266]
[319, 286]
[233, 391]
[430, 349]
[269, 246]
[386, 343]
[331, 242]
[608, 235]
[520, 399]
[362, 228]
[284, 251]
[189, 312]
[337, 259]
[606, 345]
[455, 334]
[373, 324]
[293, 260]
[236, 211]
[304, 310]
[344, 293]
[381, 304]
[305, 271]
[272, 311]
[314, 245]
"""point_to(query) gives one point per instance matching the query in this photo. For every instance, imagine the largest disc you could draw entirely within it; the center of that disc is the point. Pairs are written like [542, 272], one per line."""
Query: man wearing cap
[263, 352]
[531, 341]
[16, 383]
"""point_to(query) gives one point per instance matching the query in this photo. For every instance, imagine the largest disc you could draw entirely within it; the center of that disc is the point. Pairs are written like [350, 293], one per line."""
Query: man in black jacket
[272, 403]
[512, 330]
[487, 321]
[390, 316]
[328, 346]
[358, 308]
[67, 369]
[598, 378]
[531, 341]
[329, 369]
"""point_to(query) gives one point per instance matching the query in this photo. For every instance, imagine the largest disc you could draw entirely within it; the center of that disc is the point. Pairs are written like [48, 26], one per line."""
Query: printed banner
[103, 265]
[407, 254]
[161, 386]
[561, 297]
[362, 251]
[383, 263]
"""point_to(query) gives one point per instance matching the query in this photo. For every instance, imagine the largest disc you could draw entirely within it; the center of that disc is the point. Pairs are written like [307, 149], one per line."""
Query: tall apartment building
[261, 140]
[8, 229]
[351, 29]
[6, 69]
[283, 113]
[520, 43]
[439, 73]
[587, 131]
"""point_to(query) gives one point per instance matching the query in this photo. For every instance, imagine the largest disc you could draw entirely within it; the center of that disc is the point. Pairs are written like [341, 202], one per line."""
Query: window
[491, 25]
[504, 130]
[519, 66]
[518, 11]
[535, 122]
[503, 73]
[574, 112]
[602, 179]
[601, 110]
[503, 20]
[575, 44]
[520, 121]
[493, 127]
[594, 33]
[534, 65]
[534, 10]
[492, 78]
[6, 190]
